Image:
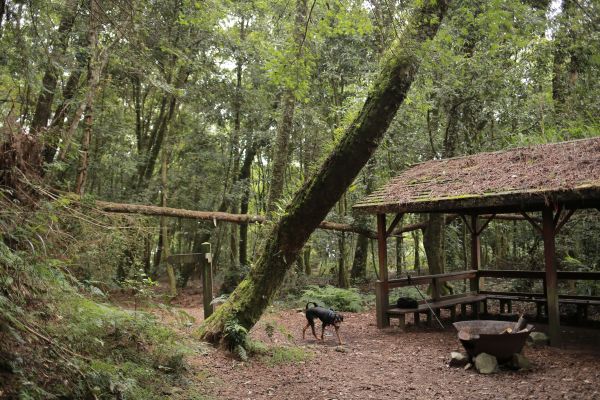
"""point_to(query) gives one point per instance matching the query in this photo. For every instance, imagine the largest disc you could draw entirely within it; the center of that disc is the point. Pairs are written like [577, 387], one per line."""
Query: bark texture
[316, 197]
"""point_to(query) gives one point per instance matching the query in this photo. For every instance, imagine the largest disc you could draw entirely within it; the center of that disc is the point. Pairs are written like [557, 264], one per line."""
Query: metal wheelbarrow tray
[487, 338]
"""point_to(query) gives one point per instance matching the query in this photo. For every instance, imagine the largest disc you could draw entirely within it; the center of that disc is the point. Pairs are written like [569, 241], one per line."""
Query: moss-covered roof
[520, 179]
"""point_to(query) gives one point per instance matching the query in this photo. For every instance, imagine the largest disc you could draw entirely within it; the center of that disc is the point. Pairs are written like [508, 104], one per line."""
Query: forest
[241, 134]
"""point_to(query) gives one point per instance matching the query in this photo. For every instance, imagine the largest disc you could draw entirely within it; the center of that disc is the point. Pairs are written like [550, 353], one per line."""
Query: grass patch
[287, 355]
[275, 355]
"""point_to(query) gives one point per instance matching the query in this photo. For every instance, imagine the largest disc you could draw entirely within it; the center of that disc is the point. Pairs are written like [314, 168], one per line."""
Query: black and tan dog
[327, 317]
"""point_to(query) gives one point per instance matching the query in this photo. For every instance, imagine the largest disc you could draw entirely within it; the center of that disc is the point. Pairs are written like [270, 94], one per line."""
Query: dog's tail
[311, 302]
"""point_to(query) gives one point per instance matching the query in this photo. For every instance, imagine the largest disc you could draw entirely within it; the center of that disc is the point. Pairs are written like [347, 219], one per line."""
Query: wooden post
[382, 289]
[475, 252]
[207, 293]
[551, 276]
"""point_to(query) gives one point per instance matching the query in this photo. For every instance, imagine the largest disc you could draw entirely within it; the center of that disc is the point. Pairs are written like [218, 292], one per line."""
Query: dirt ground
[392, 364]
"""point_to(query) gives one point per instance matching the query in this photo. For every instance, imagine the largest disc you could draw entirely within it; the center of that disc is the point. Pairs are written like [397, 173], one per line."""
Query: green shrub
[336, 298]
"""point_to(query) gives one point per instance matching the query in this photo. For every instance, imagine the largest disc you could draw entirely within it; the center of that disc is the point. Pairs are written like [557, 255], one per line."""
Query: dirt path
[390, 364]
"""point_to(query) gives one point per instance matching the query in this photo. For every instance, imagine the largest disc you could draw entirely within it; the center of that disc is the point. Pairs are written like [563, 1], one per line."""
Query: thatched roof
[520, 179]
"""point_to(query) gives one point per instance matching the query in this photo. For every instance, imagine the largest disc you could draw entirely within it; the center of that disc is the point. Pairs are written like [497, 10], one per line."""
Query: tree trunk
[399, 255]
[306, 259]
[284, 131]
[50, 149]
[244, 179]
[417, 257]
[43, 106]
[2, 12]
[94, 66]
[359, 266]
[433, 241]
[343, 281]
[316, 197]
[164, 228]
[280, 154]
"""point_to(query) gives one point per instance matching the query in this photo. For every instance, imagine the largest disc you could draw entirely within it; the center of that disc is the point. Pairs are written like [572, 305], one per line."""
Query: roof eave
[587, 196]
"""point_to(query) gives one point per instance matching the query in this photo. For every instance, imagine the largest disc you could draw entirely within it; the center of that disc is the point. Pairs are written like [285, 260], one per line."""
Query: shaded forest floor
[385, 364]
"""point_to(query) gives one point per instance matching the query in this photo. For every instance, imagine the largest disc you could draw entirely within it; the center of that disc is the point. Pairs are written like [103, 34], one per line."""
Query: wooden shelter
[554, 179]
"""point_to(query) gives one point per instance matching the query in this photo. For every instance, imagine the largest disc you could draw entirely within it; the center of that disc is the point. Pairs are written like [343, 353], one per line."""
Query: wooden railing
[517, 274]
[429, 279]
[383, 288]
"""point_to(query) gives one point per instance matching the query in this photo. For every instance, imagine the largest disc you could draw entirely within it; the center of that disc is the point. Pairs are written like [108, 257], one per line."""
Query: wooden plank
[551, 276]
[540, 298]
[428, 279]
[518, 274]
[443, 303]
[511, 274]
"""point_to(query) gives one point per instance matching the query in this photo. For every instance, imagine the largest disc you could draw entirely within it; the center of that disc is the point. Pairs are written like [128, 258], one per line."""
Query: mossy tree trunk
[316, 197]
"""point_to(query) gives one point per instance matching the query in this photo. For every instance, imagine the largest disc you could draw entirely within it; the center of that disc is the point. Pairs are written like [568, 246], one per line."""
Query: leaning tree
[320, 193]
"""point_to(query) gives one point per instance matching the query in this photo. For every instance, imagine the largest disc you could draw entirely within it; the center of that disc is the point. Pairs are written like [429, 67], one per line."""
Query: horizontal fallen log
[217, 216]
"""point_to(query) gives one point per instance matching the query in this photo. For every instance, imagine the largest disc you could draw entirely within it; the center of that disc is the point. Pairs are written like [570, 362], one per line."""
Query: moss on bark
[314, 200]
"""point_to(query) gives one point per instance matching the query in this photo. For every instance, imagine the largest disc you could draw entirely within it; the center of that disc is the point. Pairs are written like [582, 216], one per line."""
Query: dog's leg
[338, 334]
[313, 331]
[322, 331]
[304, 330]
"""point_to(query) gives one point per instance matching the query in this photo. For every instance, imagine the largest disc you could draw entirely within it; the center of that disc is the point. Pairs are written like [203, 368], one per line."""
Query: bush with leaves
[336, 298]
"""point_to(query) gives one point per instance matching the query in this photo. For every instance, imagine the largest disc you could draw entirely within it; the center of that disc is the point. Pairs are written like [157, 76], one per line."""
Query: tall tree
[43, 108]
[314, 200]
[95, 65]
[288, 104]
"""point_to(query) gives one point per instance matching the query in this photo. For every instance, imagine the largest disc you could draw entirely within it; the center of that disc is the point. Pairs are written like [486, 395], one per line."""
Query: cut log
[521, 324]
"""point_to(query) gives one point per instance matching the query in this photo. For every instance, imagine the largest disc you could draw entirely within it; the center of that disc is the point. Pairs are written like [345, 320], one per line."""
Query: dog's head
[338, 319]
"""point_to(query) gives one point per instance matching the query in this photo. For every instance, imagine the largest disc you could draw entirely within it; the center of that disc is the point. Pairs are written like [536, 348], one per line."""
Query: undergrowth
[59, 338]
[339, 299]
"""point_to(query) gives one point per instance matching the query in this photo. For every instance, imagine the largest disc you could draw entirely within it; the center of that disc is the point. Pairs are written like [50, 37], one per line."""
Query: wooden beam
[563, 221]
[520, 274]
[469, 228]
[382, 289]
[532, 222]
[428, 279]
[485, 224]
[559, 210]
[551, 281]
[395, 222]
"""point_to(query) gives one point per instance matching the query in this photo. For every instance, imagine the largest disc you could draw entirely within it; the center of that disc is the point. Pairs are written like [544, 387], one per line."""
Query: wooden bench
[444, 303]
[437, 301]
[506, 299]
